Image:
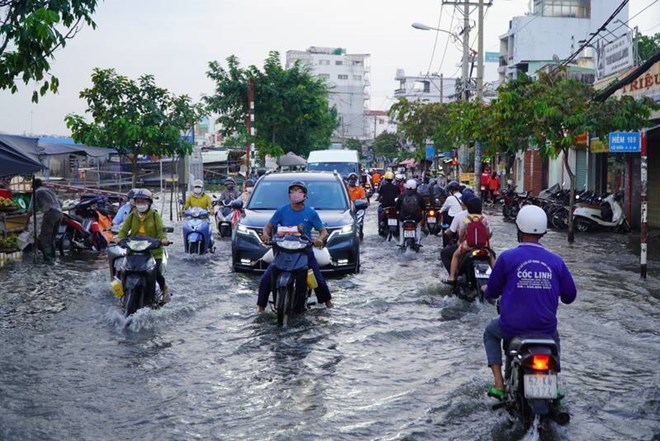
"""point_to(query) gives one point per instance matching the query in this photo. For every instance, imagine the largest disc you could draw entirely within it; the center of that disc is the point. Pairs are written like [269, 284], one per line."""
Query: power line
[435, 43]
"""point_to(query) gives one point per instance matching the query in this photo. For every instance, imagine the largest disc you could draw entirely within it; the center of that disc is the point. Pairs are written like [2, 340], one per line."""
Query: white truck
[343, 162]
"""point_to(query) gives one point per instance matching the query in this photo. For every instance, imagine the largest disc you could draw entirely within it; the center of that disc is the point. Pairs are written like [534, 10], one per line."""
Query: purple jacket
[531, 280]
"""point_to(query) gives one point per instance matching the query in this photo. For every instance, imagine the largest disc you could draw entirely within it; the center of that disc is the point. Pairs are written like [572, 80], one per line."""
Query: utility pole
[250, 127]
[480, 93]
[466, 49]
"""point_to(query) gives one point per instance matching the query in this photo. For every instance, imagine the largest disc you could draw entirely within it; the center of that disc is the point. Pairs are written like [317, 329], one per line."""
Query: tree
[386, 145]
[135, 118]
[291, 107]
[354, 144]
[31, 32]
[648, 46]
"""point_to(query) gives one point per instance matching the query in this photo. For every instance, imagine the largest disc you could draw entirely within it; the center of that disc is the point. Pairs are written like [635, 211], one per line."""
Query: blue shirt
[531, 280]
[122, 214]
[286, 216]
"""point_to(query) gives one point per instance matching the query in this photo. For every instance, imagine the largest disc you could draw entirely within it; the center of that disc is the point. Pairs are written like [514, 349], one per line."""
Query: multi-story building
[552, 30]
[430, 88]
[348, 78]
[378, 121]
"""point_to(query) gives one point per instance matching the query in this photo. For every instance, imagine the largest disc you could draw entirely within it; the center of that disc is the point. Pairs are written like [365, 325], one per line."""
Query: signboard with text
[624, 142]
[615, 56]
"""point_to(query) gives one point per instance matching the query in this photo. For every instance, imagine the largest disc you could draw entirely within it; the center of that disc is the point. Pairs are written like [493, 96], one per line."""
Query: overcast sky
[174, 40]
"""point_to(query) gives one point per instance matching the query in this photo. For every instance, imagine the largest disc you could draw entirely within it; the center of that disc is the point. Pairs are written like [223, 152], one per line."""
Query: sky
[175, 40]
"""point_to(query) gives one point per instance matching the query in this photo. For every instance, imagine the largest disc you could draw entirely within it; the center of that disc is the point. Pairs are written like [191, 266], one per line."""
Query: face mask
[142, 207]
[352, 183]
[197, 190]
[297, 197]
[249, 189]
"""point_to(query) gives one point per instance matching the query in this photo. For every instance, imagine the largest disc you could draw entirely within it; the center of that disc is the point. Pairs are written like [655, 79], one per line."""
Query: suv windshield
[343, 168]
[321, 195]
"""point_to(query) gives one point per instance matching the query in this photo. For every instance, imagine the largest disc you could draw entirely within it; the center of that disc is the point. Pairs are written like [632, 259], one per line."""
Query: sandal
[447, 281]
[495, 393]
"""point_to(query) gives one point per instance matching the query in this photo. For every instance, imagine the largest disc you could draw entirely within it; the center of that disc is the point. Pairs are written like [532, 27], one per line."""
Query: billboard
[615, 56]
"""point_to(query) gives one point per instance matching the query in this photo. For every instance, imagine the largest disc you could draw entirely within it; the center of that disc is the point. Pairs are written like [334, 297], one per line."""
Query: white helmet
[198, 183]
[532, 219]
[411, 184]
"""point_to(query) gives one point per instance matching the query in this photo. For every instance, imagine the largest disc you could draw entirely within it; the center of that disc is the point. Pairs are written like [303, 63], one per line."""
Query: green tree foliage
[31, 32]
[420, 122]
[648, 46]
[290, 105]
[134, 117]
[386, 145]
[354, 144]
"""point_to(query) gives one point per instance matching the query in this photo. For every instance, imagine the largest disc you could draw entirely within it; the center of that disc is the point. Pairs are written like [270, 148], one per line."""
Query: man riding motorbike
[355, 191]
[531, 280]
[145, 221]
[410, 207]
[387, 194]
[230, 193]
[452, 205]
[295, 214]
[453, 230]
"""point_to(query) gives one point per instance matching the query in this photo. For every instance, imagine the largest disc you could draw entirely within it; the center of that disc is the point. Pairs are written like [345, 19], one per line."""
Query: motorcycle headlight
[291, 244]
[138, 245]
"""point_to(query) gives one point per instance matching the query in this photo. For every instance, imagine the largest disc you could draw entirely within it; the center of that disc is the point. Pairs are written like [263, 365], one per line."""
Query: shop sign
[615, 56]
[581, 139]
[646, 85]
[596, 145]
[624, 142]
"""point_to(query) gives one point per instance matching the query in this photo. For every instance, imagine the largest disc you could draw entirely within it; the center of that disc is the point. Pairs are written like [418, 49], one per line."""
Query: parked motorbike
[197, 235]
[133, 272]
[607, 215]
[473, 273]
[410, 235]
[227, 215]
[77, 234]
[512, 202]
[531, 383]
[290, 265]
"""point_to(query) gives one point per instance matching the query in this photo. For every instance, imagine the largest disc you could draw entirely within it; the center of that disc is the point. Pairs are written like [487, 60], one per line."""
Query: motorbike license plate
[409, 233]
[540, 386]
[392, 222]
[430, 220]
[482, 271]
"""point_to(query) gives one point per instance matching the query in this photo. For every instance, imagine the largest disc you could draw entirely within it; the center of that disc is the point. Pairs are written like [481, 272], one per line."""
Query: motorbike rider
[452, 204]
[387, 194]
[448, 252]
[355, 191]
[248, 187]
[45, 200]
[198, 198]
[530, 280]
[122, 213]
[145, 221]
[295, 214]
[230, 193]
[400, 181]
[410, 206]
[424, 189]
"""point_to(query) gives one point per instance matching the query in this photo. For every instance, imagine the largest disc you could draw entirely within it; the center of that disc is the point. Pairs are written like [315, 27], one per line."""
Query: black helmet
[261, 171]
[453, 186]
[300, 184]
[249, 183]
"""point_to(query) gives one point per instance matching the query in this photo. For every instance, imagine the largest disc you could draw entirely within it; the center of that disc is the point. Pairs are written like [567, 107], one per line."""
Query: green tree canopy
[134, 117]
[290, 105]
[386, 145]
[648, 46]
[31, 32]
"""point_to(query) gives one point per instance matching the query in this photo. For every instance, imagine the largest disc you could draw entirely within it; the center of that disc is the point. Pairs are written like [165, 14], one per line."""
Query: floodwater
[396, 359]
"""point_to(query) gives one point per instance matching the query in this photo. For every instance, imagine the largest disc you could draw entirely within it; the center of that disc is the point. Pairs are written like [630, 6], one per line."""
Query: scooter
[473, 273]
[77, 234]
[433, 220]
[389, 223]
[290, 263]
[409, 227]
[531, 383]
[133, 271]
[227, 215]
[607, 215]
[197, 235]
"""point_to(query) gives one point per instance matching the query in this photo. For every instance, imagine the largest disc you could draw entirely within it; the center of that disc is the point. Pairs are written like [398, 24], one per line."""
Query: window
[338, 62]
[324, 76]
[342, 77]
[357, 77]
[563, 8]
[324, 62]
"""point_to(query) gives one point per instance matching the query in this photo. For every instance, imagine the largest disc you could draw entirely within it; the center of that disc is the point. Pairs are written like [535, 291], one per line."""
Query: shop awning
[19, 155]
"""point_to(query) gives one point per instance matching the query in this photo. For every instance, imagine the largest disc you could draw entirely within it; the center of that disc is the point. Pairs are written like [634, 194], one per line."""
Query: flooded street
[395, 359]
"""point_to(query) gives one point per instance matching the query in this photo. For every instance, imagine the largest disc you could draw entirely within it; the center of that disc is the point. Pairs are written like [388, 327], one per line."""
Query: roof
[68, 149]
[18, 155]
[211, 156]
[301, 176]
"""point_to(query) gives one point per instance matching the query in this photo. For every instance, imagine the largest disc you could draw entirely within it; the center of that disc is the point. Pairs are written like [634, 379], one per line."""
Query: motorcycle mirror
[237, 204]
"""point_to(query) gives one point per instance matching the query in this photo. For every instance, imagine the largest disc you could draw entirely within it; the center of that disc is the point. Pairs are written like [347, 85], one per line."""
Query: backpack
[476, 231]
[409, 206]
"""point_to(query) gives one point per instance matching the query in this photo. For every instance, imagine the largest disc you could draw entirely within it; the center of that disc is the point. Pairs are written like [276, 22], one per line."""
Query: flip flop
[447, 281]
[495, 393]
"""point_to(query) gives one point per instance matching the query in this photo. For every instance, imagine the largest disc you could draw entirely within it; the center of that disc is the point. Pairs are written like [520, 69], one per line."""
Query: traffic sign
[624, 142]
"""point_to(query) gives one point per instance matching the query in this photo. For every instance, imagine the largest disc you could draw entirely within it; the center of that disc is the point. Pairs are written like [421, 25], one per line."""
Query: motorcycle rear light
[480, 253]
[541, 362]
[431, 213]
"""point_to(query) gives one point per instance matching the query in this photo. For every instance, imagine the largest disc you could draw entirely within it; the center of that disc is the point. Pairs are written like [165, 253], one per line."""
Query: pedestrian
[44, 200]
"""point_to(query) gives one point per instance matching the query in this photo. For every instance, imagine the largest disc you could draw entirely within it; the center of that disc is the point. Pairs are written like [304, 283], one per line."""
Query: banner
[615, 56]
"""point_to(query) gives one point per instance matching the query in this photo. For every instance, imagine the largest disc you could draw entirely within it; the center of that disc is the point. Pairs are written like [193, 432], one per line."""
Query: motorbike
[607, 215]
[433, 222]
[409, 235]
[133, 272]
[531, 380]
[512, 202]
[227, 215]
[197, 235]
[290, 265]
[389, 223]
[473, 273]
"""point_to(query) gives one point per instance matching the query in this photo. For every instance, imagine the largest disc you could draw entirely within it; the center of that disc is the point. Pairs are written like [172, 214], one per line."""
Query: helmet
[352, 176]
[131, 193]
[229, 181]
[411, 184]
[261, 171]
[399, 177]
[199, 183]
[453, 186]
[143, 194]
[298, 184]
[532, 219]
[389, 175]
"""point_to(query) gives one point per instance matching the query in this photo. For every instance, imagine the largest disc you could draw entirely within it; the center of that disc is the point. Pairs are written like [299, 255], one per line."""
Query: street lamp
[423, 27]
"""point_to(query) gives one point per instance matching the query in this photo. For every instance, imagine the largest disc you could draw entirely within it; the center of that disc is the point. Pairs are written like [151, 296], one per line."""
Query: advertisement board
[614, 56]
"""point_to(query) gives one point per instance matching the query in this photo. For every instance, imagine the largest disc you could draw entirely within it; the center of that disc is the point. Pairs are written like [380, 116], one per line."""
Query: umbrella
[290, 160]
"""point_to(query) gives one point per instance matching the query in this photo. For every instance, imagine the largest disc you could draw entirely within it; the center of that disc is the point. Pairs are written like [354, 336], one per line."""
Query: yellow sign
[467, 178]
[598, 146]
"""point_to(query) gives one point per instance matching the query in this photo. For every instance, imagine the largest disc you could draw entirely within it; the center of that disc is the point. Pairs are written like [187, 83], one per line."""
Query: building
[430, 88]
[378, 121]
[348, 78]
[553, 30]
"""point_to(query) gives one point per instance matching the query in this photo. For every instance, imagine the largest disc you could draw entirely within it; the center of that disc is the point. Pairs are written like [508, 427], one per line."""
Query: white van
[343, 161]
